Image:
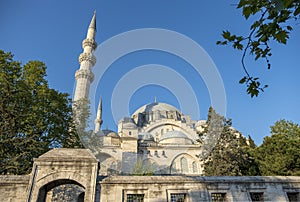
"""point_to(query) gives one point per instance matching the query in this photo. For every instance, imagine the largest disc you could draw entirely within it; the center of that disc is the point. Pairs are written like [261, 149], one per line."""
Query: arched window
[113, 165]
[161, 131]
[195, 167]
[184, 165]
[173, 168]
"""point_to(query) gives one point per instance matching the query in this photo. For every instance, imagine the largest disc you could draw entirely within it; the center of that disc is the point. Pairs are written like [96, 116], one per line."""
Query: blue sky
[52, 31]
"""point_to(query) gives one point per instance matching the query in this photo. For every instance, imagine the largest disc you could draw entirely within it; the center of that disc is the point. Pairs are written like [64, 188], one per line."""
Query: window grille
[293, 196]
[135, 198]
[257, 196]
[218, 197]
[178, 197]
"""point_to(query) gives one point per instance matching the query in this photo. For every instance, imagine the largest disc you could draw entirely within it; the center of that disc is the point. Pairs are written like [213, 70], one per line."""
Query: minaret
[98, 120]
[84, 76]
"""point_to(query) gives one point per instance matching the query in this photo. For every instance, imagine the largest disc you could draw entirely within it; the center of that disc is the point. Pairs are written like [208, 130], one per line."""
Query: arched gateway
[64, 167]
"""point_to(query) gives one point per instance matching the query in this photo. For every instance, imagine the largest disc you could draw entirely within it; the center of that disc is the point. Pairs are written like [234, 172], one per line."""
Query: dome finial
[155, 101]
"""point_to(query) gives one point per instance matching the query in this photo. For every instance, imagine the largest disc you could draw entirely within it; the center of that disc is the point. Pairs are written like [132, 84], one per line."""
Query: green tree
[143, 168]
[33, 117]
[279, 154]
[232, 153]
[272, 21]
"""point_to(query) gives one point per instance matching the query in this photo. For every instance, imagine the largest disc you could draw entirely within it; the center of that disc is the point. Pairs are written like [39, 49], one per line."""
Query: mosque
[157, 134]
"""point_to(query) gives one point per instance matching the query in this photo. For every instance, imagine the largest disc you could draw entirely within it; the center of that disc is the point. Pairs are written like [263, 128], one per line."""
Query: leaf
[240, 46]
[297, 11]
[255, 24]
[253, 88]
[226, 34]
[289, 28]
[247, 11]
[287, 3]
[237, 45]
[281, 36]
[241, 3]
[243, 80]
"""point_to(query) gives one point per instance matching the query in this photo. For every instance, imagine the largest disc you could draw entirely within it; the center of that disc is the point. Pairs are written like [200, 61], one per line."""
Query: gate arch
[43, 193]
[46, 183]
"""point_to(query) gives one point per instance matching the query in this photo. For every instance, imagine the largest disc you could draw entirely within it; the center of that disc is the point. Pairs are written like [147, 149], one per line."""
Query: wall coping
[118, 179]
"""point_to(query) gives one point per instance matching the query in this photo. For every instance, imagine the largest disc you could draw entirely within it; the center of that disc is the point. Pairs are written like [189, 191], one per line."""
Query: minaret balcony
[83, 73]
[87, 57]
[89, 42]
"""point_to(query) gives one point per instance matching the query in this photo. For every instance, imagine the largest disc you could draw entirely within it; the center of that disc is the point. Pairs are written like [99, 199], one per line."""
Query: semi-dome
[157, 106]
[146, 136]
[175, 137]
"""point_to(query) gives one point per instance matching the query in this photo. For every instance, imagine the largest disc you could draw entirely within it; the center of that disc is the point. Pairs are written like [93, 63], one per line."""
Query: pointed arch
[108, 164]
[184, 164]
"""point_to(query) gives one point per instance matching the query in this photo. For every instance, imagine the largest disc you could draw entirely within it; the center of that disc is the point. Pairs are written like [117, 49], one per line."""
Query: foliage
[143, 168]
[80, 126]
[234, 155]
[280, 153]
[272, 23]
[231, 155]
[33, 117]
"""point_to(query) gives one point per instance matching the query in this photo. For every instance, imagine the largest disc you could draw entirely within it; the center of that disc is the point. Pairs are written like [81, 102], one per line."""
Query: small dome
[175, 137]
[110, 133]
[145, 136]
[126, 120]
[129, 125]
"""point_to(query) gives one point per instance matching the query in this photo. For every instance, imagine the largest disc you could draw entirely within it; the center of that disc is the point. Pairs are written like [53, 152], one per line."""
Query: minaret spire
[84, 76]
[98, 120]
[92, 28]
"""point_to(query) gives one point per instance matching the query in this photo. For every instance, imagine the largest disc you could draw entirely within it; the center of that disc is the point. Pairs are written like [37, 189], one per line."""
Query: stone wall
[13, 188]
[79, 167]
[196, 189]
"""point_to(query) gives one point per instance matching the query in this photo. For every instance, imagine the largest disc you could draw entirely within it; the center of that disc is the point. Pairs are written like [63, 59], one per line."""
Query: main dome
[156, 106]
[155, 111]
